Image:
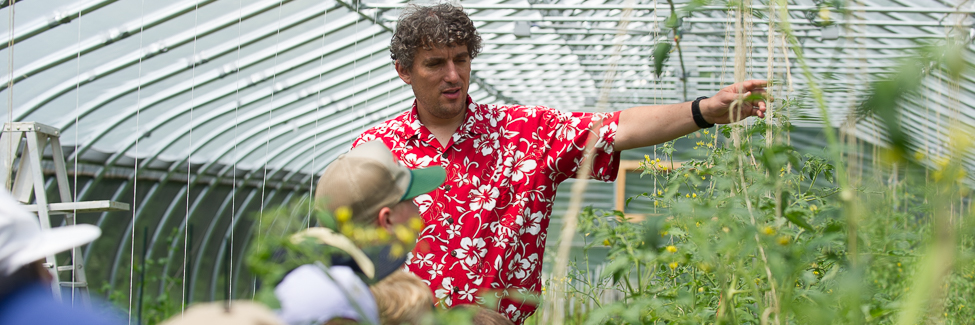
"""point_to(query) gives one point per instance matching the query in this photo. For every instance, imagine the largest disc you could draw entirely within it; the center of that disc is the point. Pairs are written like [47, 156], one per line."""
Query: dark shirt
[34, 303]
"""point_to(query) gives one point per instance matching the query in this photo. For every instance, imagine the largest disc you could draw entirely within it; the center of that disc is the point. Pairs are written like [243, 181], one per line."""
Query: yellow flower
[813, 208]
[687, 195]
[606, 242]
[702, 178]
[693, 195]
[816, 272]
[783, 240]
[659, 192]
[343, 214]
[768, 230]
[725, 229]
[701, 289]
[672, 249]
[646, 157]
[404, 234]
[416, 224]
[824, 13]
[658, 159]
[672, 265]
[656, 203]
[705, 131]
[396, 250]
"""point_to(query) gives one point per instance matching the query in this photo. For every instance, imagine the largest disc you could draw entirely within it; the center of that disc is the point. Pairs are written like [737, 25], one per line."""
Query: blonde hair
[402, 298]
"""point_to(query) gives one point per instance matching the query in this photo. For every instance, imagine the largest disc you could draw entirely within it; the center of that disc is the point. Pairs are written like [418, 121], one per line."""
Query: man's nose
[452, 76]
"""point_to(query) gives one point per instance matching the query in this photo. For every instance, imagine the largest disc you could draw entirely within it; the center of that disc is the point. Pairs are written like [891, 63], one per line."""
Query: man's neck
[441, 128]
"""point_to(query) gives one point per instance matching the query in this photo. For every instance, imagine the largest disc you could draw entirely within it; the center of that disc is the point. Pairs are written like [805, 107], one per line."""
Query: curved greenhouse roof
[200, 111]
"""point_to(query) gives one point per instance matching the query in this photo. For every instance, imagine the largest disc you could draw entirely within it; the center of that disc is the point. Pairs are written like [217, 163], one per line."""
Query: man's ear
[403, 72]
[383, 218]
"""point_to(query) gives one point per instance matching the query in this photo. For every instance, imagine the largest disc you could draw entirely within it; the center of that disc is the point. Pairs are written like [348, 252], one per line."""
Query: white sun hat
[309, 296]
[22, 241]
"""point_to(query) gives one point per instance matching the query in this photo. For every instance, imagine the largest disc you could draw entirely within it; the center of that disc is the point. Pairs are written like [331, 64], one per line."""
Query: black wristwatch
[696, 112]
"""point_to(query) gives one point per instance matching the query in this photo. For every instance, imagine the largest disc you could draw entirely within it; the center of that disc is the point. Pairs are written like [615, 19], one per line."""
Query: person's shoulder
[392, 127]
[26, 305]
[515, 111]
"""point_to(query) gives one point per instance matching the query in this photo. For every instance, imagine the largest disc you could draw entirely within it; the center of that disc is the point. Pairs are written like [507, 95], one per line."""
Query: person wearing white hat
[25, 282]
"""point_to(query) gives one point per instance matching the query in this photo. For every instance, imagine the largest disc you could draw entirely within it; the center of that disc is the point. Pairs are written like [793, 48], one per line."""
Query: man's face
[440, 78]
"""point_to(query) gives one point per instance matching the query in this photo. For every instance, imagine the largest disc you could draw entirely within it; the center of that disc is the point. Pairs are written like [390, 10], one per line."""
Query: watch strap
[696, 112]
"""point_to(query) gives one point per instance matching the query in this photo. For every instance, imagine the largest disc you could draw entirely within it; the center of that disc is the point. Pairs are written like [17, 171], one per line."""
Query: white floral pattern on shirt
[486, 225]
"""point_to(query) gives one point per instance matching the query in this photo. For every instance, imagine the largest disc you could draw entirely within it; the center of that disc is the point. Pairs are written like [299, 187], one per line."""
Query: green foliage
[755, 233]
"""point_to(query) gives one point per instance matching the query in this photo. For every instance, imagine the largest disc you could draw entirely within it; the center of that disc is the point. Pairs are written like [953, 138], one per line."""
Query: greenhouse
[194, 135]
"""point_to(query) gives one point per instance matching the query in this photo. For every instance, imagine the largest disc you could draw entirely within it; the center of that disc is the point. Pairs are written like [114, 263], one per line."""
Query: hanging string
[77, 101]
[10, 67]
[318, 117]
[233, 190]
[355, 61]
[267, 141]
[189, 159]
[135, 172]
[555, 305]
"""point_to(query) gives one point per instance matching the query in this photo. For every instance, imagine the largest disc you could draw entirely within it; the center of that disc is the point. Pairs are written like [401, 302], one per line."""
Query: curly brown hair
[434, 26]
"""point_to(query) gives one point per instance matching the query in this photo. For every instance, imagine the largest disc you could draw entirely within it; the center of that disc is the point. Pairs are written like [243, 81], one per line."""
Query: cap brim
[55, 240]
[424, 180]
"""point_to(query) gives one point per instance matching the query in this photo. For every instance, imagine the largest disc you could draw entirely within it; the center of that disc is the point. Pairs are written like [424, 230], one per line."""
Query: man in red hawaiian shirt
[486, 225]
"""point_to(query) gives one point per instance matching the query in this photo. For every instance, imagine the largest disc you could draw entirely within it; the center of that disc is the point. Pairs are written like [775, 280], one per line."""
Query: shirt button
[446, 188]
[450, 220]
[453, 253]
[456, 289]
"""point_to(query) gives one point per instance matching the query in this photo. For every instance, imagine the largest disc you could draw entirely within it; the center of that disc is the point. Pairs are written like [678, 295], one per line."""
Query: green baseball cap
[368, 178]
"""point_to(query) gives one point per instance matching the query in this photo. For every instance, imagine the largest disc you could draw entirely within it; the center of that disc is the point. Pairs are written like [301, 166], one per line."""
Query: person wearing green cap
[377, 189]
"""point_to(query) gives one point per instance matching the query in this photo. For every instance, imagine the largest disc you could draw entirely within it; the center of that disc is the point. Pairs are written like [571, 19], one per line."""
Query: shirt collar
[475, 122]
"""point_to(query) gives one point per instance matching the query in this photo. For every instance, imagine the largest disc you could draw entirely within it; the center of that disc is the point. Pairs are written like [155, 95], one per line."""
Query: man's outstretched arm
[643, 126]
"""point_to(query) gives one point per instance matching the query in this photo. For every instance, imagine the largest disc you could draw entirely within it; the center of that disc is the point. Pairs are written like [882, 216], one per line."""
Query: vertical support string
[267, 138]
[10, 67]
[189, 157]
[77, 105]
[233, 190]
[135, 173]
[318, 117]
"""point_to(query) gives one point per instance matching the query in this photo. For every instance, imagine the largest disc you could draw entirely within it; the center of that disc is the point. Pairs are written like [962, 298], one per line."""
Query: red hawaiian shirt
[486, 225]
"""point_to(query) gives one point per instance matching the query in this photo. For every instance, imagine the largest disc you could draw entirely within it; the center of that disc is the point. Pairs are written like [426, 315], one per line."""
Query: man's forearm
[643, 126]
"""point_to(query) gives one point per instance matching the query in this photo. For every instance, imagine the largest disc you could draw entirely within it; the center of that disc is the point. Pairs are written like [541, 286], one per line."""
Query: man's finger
[751, 84]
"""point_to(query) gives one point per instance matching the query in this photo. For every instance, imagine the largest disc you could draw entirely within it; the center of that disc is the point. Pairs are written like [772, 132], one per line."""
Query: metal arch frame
[118, 253]
[307, 120]
[221, 251]
[254, 114]
[222, 110]
[227, 201]
[250, 231]
[182, 88]
[100, 41]
[155, 76]
[400, 98]
[274, 134]
[225, 109]
[373, 117]
[41, 25]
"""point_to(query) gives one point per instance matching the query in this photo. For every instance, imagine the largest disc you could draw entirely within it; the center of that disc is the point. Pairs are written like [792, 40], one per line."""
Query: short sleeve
[567, 133]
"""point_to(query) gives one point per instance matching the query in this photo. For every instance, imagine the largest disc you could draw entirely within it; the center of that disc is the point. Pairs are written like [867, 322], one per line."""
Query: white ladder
[29, 180]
